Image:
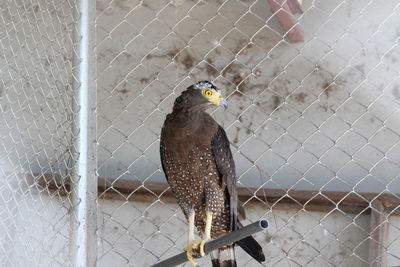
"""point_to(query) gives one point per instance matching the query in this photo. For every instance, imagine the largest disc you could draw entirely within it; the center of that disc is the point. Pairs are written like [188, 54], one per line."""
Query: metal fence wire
[44, 203]
[313, 120]
[36, 119]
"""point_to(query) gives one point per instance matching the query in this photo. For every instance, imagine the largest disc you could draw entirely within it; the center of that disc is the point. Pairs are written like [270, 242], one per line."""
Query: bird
[198, 164]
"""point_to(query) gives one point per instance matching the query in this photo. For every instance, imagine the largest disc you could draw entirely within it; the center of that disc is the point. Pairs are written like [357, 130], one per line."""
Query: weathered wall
[36, 40]
[320, 115]
[35, 85]
[137, 233]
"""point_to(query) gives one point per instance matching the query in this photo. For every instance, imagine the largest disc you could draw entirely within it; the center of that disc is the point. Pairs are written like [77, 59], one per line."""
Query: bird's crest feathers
[203, 85]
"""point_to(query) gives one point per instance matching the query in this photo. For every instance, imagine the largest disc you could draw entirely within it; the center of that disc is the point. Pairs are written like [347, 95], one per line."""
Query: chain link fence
[36, 93]
[313, 120]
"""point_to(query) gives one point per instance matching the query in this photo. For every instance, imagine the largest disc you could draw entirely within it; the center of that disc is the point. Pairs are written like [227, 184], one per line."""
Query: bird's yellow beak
[223, 103]
[218, 101]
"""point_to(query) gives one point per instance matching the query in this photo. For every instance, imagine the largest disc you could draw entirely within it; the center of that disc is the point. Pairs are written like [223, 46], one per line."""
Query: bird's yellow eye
[208, 92]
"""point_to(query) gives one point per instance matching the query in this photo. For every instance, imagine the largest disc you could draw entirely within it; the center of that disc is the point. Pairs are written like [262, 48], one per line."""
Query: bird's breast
[188, 172]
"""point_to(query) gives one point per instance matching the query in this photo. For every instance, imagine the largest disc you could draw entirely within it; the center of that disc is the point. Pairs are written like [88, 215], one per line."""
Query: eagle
[199, 167]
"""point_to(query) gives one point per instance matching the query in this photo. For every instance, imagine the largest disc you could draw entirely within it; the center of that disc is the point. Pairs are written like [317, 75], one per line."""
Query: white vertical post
[84, 179]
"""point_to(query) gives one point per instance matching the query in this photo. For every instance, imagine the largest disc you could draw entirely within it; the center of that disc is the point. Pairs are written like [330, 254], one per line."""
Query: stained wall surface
[36, 121]
[318, 115]
[137, 234]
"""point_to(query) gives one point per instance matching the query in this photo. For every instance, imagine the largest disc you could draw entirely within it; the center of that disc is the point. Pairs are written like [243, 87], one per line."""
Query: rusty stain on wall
[276, 101]
[299, 97]
[123, 91]
[236, 139]
[329, 88]
[186, 59]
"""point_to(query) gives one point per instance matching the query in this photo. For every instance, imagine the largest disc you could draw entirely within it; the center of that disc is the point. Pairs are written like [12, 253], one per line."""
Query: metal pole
[84, 179]
[219, 242]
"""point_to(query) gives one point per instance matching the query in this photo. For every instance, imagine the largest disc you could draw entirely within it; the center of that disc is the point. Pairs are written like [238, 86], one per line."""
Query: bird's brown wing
[162, 152]
[226, 167]
[162, 163]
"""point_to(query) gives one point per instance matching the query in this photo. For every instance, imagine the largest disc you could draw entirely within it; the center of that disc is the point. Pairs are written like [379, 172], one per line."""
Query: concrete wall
[36, 88]
[319, 115]
[316, 115]
[138, 233]
[36, 85]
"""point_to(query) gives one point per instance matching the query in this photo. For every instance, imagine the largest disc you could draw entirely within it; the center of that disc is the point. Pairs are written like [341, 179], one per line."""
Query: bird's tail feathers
[251, 246]
[224, 257]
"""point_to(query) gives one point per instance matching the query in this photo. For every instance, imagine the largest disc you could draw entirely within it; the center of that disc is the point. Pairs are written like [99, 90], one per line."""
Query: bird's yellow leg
[207, 232]
[191, 228]
[198, 245]
[191, 244]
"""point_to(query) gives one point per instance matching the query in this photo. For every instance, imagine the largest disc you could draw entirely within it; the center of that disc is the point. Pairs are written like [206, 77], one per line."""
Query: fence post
[84, 178]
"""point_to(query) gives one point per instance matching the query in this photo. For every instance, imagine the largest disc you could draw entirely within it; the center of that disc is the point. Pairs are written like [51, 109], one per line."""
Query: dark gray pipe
[219, 242]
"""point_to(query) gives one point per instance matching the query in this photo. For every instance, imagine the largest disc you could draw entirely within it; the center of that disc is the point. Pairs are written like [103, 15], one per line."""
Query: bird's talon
[189, 256]
[192, 250]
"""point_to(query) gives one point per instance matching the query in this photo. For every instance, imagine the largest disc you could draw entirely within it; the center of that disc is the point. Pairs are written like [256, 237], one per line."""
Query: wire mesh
[313, 122]
[314, 110]
[37, 92]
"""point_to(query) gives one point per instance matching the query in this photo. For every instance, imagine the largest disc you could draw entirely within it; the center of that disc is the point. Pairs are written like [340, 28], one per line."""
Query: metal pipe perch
[219, 242]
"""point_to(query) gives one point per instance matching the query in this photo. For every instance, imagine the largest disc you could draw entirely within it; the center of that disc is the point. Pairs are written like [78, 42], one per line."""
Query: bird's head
[200, 96]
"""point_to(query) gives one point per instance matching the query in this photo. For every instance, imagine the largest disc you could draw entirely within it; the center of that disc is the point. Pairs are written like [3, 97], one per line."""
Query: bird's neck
[188, 123]
[190, 128]
[188, 116]
[191, 109]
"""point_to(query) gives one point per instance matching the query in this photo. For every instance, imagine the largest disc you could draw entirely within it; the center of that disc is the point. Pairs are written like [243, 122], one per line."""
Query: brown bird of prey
[199, 167]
